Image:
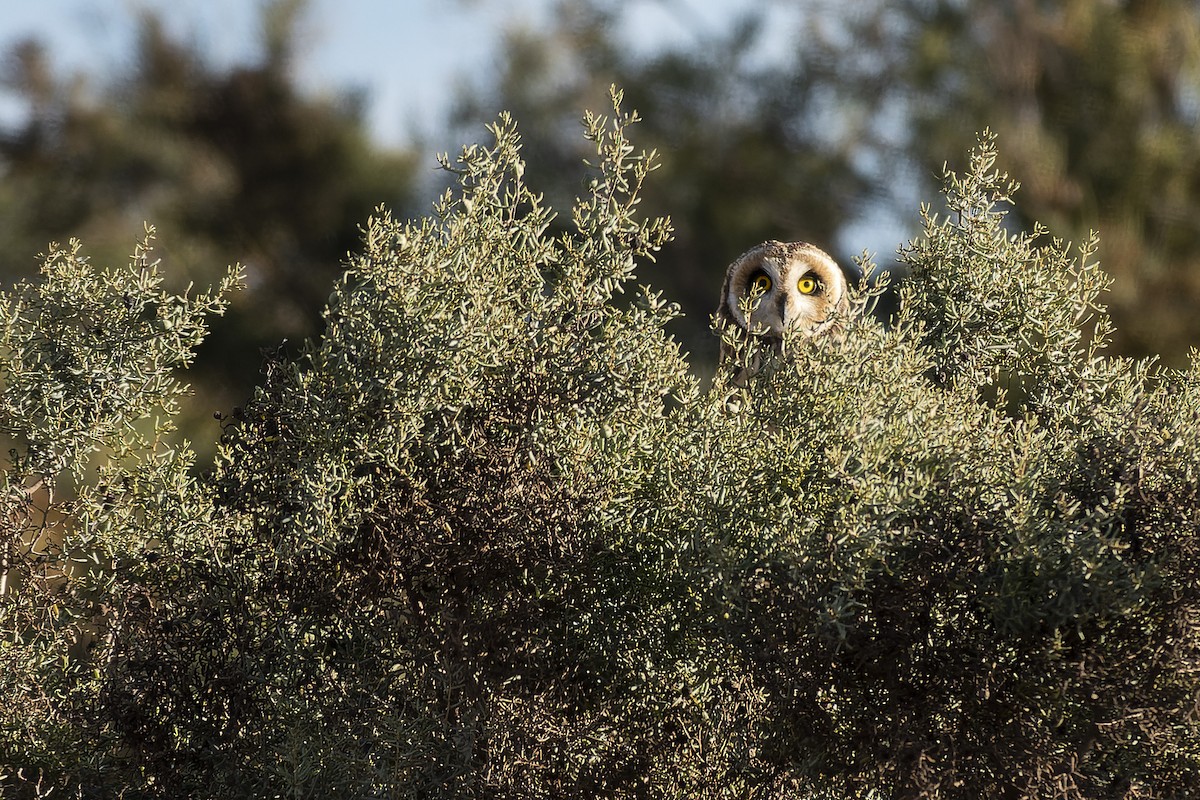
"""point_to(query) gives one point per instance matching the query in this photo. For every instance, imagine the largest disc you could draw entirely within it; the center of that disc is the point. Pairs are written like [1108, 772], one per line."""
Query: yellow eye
[761, 284]
[808, 285]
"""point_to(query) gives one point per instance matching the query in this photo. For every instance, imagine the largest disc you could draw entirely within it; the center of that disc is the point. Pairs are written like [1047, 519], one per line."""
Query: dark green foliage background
[487, 537]
[806, 119]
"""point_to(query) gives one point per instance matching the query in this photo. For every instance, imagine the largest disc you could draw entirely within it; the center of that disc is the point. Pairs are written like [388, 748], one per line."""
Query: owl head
[777, 287]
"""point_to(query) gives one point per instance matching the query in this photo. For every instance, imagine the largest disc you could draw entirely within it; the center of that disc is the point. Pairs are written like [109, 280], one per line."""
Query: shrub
[94, 497]
[488, 537]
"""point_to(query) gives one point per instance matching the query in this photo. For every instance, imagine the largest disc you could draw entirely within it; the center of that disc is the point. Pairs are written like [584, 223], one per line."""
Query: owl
[791, 285]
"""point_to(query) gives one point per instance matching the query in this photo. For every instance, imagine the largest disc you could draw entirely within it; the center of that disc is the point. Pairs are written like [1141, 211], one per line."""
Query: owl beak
[783, 307]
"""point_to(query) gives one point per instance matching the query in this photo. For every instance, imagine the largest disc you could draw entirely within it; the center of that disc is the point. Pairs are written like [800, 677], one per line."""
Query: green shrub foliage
[488, 536]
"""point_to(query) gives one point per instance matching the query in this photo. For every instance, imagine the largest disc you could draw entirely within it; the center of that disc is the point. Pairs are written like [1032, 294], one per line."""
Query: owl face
[796, 286]
[777, 287]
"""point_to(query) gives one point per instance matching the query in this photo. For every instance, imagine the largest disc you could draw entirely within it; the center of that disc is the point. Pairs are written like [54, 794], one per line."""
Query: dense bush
[488, 537]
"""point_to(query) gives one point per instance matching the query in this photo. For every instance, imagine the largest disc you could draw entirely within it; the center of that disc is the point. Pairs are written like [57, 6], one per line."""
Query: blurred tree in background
[803, 119]
[231, 164]
[1096, 105]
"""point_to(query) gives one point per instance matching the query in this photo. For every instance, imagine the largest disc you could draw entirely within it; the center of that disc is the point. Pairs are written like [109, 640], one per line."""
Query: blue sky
[406, 54]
